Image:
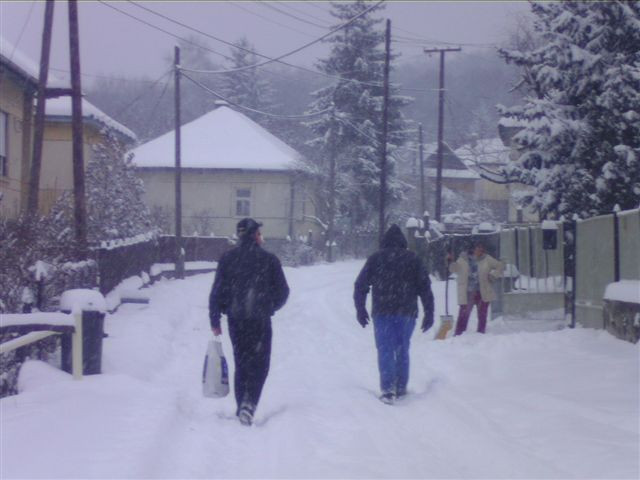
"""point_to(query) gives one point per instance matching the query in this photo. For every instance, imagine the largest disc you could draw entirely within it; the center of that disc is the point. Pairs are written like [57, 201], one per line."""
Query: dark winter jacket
[249, 284]
[397, 276]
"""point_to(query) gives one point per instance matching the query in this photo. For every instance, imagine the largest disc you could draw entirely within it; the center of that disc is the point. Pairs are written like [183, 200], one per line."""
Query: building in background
[231, 168]
[56, 174]
[18, 86]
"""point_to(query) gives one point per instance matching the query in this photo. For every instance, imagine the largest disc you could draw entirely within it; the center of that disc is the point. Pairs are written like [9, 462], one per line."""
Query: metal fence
[587, 256]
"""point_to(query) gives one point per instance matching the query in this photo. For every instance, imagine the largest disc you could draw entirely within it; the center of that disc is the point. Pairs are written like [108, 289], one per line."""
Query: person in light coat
[476, 271]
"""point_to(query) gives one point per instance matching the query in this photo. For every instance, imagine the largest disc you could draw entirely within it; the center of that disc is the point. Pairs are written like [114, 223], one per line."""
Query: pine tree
[248, 87]
[353, 127]
[115, 209]
[580, 136]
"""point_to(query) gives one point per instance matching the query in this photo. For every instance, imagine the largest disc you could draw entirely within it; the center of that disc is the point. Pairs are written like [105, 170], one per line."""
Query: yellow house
[18, 84]
[56, 174]
[231, 168]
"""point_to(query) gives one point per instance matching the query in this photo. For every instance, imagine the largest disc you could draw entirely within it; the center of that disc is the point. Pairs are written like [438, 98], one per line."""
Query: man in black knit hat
[249, 287]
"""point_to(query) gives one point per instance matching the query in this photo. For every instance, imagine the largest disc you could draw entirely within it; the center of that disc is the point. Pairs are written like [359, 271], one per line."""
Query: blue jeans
[393, 336]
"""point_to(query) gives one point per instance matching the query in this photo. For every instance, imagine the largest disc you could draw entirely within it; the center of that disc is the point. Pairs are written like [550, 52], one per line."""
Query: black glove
[427, 322]
[363, 318]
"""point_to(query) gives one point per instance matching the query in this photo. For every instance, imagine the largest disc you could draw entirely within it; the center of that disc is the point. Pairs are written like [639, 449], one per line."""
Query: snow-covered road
[541, 403]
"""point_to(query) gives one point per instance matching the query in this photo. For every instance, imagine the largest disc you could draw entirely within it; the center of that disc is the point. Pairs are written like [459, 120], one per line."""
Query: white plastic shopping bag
[215, 375]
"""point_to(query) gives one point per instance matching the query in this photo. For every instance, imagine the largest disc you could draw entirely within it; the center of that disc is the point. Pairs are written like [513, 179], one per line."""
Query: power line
[270, 20]
[268, 59]
[193, 29]
[291, 15]
[163, 30]
[301, 11]
[107, 77]
[302, 47]
[24, 26]
[164, 90]
[230, 102]
[135, 100]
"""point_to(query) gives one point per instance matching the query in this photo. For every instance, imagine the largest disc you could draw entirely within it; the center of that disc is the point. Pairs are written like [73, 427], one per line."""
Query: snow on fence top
[61, 107]
[623, 291]
[222, 138]
[549, 225]
[81, 299]
[29, 68]
[123, 242]
[40, 318]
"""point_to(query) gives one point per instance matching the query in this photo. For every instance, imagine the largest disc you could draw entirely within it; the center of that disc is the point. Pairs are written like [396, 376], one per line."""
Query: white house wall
[212, 196]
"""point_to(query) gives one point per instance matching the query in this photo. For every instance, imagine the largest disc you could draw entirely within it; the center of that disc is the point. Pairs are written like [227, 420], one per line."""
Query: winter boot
[387, 398]
[245, 414]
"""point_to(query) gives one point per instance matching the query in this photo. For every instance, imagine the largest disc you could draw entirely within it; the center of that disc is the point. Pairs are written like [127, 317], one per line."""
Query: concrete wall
[210, 197]
[15, 97]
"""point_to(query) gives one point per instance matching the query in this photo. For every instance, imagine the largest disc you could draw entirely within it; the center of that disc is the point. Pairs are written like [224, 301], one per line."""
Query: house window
[4, 161]
[243, 202]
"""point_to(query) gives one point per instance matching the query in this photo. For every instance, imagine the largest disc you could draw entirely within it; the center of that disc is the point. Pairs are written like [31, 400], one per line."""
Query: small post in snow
[179, 258]
[76, 347]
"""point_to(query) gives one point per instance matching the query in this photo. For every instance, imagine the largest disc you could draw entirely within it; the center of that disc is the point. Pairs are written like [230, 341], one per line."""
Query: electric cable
[291, 15]
[135, 100]
[24, 26]
[230, 102]
[296, 50]
[293, 29]
[163, 30]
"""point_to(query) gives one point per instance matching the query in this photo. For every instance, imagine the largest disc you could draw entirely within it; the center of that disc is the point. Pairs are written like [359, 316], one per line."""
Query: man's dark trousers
[251, 340]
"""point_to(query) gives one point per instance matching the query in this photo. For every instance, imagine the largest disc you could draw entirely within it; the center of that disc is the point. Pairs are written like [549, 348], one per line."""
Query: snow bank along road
[509, 404]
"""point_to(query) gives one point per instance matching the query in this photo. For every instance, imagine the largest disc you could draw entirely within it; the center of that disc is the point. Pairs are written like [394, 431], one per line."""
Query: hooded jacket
[249, 284]
[397, 278]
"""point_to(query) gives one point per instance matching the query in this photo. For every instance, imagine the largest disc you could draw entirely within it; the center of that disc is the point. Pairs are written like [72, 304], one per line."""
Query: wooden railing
[33, 327]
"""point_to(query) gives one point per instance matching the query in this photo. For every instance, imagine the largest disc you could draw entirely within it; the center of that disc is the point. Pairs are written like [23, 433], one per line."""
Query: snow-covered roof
[61, 107]
[453, 173]
[24, 65]
[484, 151]
[222, 138]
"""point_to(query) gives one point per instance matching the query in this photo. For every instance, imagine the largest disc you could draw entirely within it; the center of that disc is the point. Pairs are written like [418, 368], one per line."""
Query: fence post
[574, 280]
[76, 347]
[616, 244]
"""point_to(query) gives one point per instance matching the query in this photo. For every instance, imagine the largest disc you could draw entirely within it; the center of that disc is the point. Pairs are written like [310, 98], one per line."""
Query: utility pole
[178, 169]
[36, 161]
[385, 113]
[442, 51]
[332, 186]
[423, 206]
[80, 210]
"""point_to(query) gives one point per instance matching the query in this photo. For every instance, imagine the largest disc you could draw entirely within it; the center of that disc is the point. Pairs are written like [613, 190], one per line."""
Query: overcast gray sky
[114, 44]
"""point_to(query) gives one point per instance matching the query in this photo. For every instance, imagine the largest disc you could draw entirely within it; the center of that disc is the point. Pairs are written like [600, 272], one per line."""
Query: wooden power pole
[423, 205]
[80, 210]
[385, 114]
[178, 170]
[442, 51]
[332, 186]
[38, 138]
